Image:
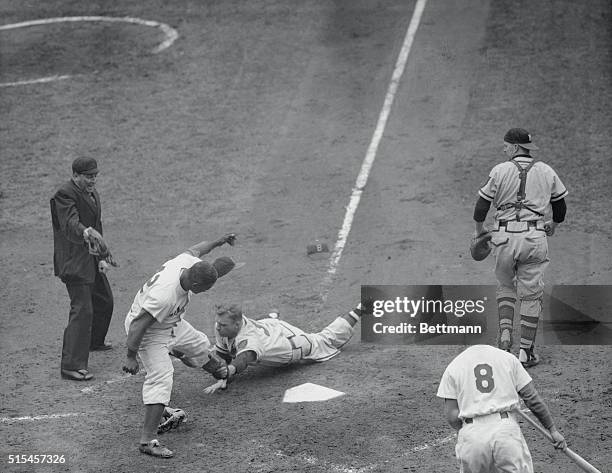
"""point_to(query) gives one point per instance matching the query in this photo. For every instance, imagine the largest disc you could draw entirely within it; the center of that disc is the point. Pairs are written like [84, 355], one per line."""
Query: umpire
[76, 217]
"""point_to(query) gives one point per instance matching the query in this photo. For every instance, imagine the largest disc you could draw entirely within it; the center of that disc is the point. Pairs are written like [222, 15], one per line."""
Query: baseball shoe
[103, 347]
[528, 358]
[77, 375]
[154, 449]
[505, 340]
[171, 419]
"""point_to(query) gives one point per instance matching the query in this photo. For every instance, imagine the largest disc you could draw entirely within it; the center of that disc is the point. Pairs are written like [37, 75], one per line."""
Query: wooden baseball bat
[581, 462]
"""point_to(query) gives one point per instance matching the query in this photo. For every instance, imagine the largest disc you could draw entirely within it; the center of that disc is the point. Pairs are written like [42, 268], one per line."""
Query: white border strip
[362, 178]
[170, 33]
[8, 420]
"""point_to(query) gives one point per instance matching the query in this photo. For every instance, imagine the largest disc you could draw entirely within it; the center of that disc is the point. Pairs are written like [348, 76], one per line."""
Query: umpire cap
[84, 165]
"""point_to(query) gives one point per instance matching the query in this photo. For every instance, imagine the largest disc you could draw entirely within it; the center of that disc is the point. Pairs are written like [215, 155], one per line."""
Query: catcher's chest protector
[520, 195]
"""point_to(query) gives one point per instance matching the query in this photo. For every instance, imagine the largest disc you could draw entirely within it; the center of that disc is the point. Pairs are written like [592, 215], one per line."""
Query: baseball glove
[98, 247]
[480, 246]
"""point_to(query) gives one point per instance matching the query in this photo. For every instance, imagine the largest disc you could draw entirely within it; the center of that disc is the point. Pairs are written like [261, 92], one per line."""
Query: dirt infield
[256, 120]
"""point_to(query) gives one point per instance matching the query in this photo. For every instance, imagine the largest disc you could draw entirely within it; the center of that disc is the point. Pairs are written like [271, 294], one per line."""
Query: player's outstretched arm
[240, 364]
[451, 412]
[137, 329]
[205, 247]
[534, 402]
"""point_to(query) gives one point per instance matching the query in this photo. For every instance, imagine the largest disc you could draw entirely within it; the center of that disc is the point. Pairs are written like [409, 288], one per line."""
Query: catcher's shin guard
[530, 315]
[506, 302]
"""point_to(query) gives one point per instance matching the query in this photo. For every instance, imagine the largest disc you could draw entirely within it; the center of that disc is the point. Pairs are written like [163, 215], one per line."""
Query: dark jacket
[72, 211]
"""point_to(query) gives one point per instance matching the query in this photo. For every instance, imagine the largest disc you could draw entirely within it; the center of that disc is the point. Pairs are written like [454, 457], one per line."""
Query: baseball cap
[519, 136]
[84, 165]
[225, 264]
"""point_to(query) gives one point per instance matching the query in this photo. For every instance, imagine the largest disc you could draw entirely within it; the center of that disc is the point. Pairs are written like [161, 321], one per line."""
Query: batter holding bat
[481, 387]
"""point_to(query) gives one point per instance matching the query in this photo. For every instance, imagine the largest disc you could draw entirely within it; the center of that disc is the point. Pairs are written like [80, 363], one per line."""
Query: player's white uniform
[276, 342]
[164, 298]
[485, 381]
[519, 238]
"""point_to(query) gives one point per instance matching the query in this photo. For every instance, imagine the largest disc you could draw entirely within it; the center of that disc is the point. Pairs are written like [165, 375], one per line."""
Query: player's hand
[230, 239]
[103, 266]
[213, 388]
[558, 439]
[221, 372]
[549, 228]
[130, 365]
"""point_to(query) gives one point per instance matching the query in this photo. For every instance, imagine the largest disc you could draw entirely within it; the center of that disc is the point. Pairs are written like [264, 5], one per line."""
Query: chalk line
[311, 460]
[42, 80]
[370, 156]
[170, 33]
[8, 420]
[170, 36]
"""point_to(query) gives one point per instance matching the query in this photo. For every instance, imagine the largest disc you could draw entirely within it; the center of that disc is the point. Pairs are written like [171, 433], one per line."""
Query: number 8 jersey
[483, 379]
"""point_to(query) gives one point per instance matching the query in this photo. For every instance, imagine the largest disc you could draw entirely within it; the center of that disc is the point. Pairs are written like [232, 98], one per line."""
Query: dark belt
[503, 415]
[530, 223]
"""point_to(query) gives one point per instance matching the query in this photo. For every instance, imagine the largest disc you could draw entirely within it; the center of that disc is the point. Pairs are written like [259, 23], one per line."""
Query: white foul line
[366, 166]
[7, 420]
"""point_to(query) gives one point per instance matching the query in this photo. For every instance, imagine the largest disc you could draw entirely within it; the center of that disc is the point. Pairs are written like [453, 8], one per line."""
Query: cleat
[154, 449]
[171, 419]
[528, 358]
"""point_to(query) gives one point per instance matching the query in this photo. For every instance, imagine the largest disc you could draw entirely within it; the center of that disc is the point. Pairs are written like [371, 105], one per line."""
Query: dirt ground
[256, 120]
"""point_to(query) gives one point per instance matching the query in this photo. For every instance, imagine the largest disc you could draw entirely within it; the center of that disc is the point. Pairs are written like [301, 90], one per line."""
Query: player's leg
[510, 451]
[327, 343]
[473, 451]
[75, 349]
[102, 302]
[506, 294]
[530, 288]
[156, 389]
[191, 346]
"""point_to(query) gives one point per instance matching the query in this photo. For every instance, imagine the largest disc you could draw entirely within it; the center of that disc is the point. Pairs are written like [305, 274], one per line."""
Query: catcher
[521, 190]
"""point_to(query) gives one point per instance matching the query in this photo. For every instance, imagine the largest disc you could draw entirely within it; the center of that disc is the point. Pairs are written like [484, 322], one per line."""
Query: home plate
[310, 392]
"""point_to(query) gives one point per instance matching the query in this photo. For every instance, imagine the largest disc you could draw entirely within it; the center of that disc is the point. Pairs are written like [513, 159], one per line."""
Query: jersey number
[484, 378]
[151, 281]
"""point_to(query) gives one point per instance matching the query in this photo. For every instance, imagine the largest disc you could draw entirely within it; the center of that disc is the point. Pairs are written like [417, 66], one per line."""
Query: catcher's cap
[225, 264]
[83, 165]
[519, 136]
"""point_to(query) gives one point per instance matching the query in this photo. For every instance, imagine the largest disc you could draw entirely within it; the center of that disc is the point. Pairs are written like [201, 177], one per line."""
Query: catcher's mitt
[480, 246]
[98, 247]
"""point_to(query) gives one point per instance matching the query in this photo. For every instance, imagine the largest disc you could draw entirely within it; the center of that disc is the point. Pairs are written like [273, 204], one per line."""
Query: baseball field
[257, 117]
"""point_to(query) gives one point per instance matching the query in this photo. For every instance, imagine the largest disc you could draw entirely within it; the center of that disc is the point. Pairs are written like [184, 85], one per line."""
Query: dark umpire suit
[73, 209]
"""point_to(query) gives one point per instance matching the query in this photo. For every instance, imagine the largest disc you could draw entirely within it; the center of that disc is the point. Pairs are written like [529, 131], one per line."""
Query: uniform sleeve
[156, 306]
[558, 190]
[249, 343]
[68, 217]
[447, 388]
[489, 190]
[520, 376]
